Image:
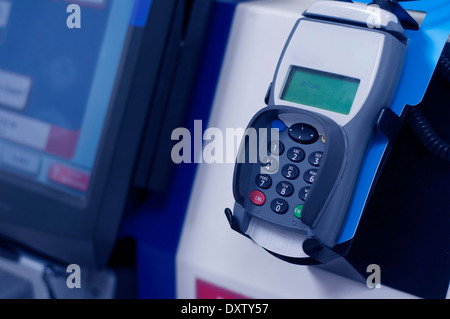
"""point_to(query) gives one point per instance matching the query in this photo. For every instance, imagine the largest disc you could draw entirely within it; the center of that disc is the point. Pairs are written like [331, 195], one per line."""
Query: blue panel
[157, 225]
[140, 13]
[156, 279]
[425, 47]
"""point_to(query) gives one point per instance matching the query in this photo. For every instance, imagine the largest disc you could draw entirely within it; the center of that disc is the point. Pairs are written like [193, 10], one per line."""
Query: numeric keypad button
[275, 147]
[264, 181]
[296, 154]
[315, 158]
[285, 189]
[279, 206]
[303, 193]
[290, 171]
[269, 164]
[310, 176]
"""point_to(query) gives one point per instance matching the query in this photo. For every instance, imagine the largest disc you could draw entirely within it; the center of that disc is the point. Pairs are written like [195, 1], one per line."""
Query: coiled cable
[444, 67]
[427, 134]
[423, 129]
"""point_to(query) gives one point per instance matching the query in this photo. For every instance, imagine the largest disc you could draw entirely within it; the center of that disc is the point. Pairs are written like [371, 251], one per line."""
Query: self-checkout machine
[85, 137]
[213, 261]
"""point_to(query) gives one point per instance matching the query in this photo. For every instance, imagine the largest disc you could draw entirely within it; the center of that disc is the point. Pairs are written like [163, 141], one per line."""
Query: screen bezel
[294, 69]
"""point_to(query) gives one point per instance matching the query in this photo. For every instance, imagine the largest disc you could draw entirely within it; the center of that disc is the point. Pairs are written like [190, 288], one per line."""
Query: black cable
[427, 134]
[420, 125]
[444, 67]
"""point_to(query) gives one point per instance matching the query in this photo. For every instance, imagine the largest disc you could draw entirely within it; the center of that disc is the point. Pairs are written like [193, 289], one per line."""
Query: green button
[298, 211]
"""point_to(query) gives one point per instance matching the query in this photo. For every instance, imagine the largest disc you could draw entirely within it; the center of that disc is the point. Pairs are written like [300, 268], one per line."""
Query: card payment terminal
[335, 75]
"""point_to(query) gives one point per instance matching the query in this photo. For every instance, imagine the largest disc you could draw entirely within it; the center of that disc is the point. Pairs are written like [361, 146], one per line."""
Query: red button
[257, 198]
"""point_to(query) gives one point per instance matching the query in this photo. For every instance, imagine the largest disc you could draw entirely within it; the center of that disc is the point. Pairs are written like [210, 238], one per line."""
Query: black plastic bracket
[233, 224]
[389, 124]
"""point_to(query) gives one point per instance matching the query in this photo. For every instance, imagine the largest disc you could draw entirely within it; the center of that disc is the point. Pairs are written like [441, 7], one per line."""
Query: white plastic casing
[342, 50]
[353, 12]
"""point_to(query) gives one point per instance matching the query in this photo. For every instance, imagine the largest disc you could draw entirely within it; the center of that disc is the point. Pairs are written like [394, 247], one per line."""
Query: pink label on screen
[62, 142]
[69, 177]
[37, 134]
[206, 290]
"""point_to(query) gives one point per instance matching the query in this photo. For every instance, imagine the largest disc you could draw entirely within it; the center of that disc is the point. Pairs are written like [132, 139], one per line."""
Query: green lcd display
[323, 90]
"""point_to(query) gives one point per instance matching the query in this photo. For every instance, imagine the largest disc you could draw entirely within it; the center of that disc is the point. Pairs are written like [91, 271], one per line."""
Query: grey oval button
[303, 133]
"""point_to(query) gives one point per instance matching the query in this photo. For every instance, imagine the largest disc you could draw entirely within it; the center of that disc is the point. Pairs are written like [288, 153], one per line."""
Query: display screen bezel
[325, 101]
[118, 36]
